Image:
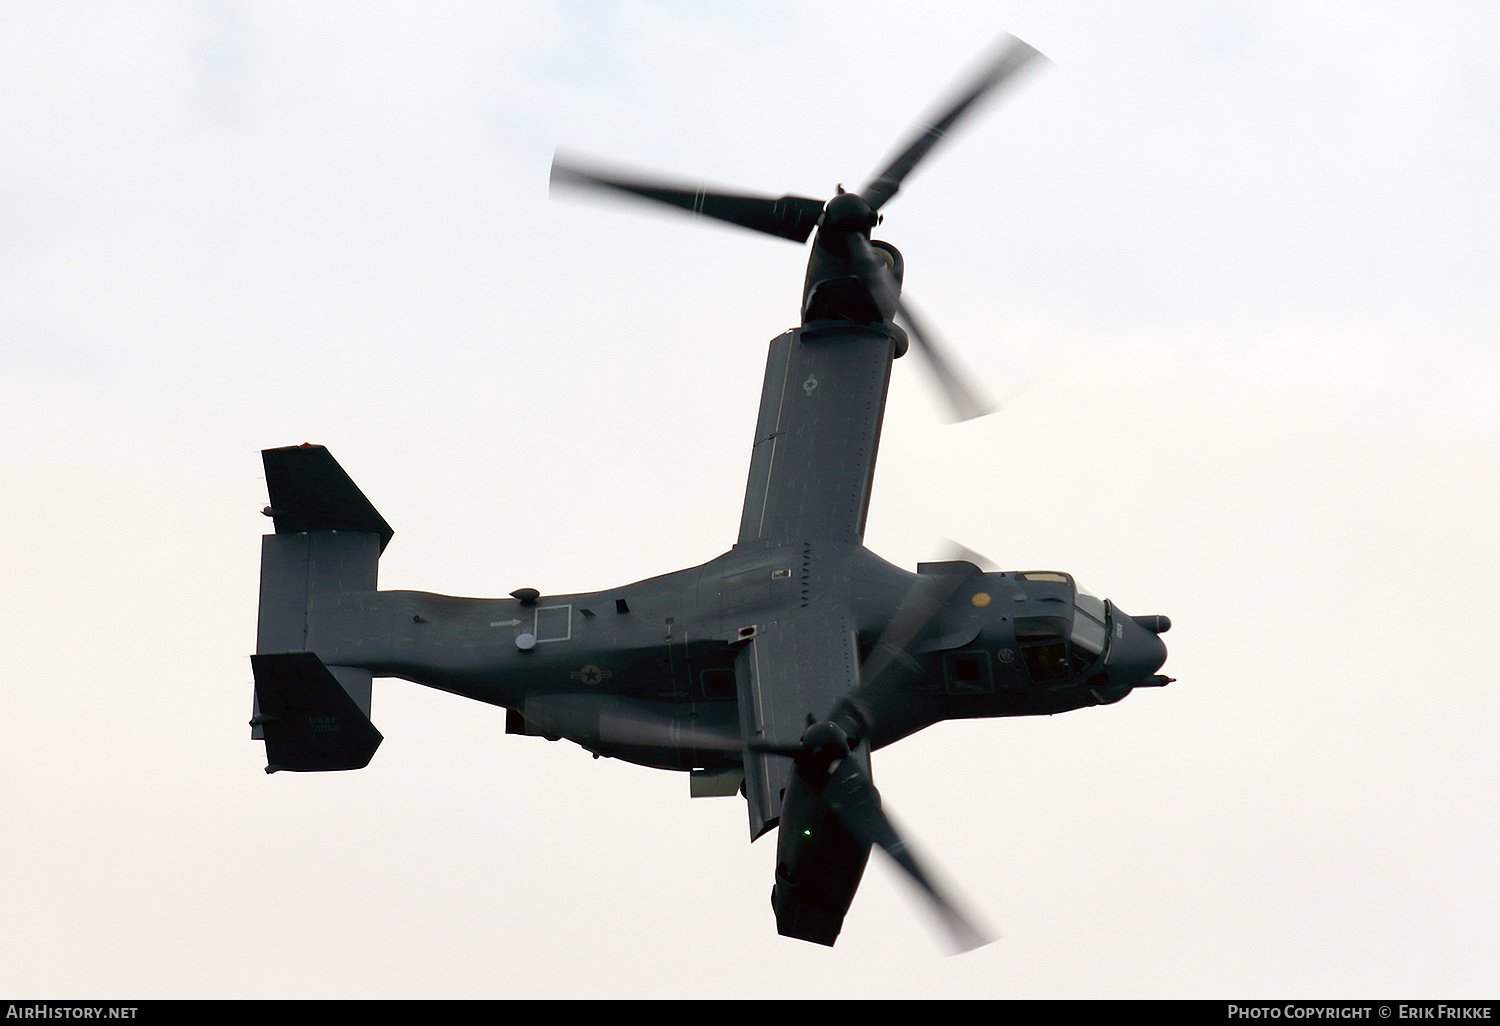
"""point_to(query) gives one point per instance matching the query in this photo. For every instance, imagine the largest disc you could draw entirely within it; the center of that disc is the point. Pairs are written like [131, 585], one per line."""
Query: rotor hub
[826, 740]
[848, 212]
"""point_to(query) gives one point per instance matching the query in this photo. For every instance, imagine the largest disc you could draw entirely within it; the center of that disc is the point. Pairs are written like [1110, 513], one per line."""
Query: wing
[804, 514]
[817, 435]
[792, 672]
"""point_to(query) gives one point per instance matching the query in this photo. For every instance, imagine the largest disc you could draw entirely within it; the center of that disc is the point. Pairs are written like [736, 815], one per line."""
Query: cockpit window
[1044, 647]
[1054, 648]
[1089, 603]
[1088, 634]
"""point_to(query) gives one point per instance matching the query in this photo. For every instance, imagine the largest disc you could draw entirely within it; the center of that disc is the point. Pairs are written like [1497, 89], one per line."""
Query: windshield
[1089, 632]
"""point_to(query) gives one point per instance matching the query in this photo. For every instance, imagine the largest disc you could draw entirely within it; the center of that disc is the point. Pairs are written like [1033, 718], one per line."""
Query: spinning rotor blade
[824, 764]
[965, 402]
[1012, 56]
[852, 796]
[825, 767]
[850, 793]
[790, 217]
[928, 595]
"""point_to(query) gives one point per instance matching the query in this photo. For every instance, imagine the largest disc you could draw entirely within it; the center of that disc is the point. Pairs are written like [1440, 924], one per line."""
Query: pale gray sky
[1235, 264]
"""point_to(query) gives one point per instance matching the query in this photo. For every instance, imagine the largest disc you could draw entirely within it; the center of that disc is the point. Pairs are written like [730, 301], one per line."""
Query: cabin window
[968, 673]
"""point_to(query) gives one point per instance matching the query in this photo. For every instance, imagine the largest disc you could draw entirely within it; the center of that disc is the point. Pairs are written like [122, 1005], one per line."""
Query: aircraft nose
[1135, 652]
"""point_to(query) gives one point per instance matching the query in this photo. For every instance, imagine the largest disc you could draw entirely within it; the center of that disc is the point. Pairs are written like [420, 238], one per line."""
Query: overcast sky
[1232, 266]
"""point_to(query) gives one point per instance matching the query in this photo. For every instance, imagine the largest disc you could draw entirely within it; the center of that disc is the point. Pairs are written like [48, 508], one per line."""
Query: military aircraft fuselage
[646, 672]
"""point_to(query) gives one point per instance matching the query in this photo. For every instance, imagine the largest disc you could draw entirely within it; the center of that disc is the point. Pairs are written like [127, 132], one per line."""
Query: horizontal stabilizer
[309, 722]
[310, 492]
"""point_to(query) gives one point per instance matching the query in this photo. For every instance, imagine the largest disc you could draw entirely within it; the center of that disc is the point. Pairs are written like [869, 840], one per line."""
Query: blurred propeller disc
[852, 796]
[827, 769]
[965, 401]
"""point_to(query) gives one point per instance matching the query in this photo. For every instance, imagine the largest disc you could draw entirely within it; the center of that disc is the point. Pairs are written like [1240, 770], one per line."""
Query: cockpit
[1062, 630]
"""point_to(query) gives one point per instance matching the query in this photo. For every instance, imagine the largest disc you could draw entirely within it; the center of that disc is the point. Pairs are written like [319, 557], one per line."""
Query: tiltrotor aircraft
[772, 671]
